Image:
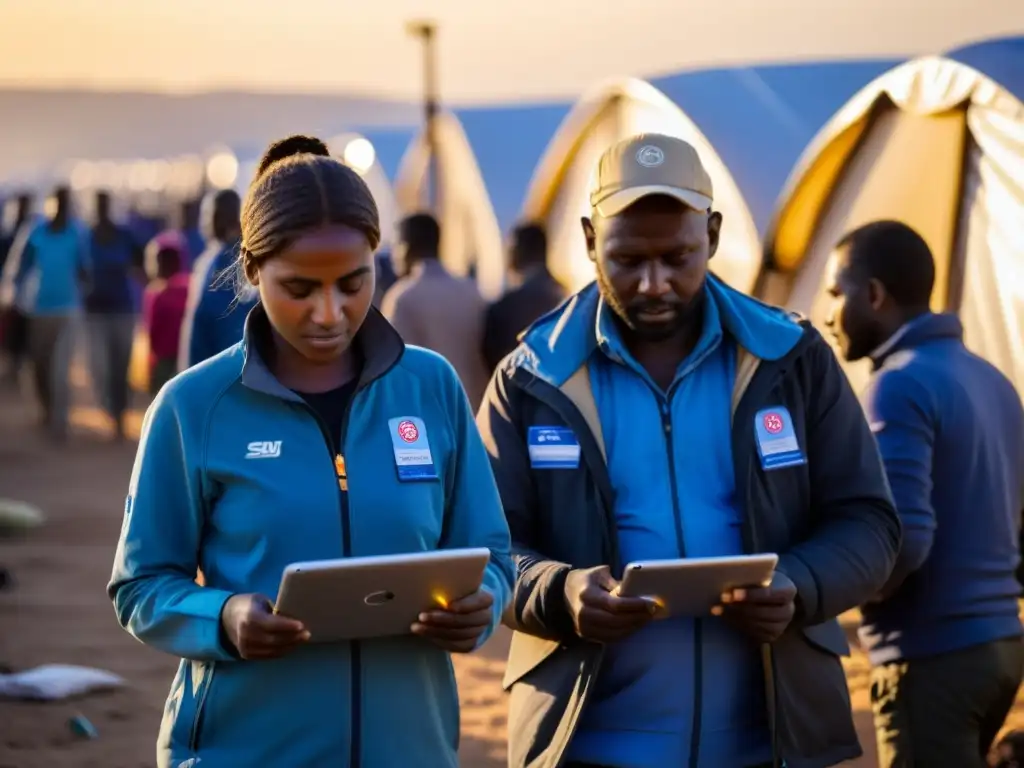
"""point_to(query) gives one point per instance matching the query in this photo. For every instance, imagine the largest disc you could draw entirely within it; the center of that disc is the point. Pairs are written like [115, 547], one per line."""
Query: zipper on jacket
[752, 542]
[698, 627]
[346, 550]
[355, 649]
[193, 741]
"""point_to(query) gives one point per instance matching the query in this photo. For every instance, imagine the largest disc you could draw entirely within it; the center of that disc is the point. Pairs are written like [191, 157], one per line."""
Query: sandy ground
[59, 614]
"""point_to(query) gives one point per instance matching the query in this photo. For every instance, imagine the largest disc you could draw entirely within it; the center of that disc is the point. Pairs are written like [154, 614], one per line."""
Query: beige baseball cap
[650, 164]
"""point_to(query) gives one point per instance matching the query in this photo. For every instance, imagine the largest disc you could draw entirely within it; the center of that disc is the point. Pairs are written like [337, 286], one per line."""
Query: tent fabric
[788, 104]
[558, 192]
[1001, 59]
[941, 146]
[470, 237]
[992, 241]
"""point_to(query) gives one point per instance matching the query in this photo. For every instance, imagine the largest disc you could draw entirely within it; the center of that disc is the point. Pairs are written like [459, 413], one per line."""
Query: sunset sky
[489, 50]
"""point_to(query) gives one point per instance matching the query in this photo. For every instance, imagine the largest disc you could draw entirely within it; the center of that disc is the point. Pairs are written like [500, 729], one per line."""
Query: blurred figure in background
[191, 230]
[163, 304]
[432, 308]
[385, 274]
[14, 321]
[944, 635]
[215, 314]
[116, 261]
[50, 270]
[16, 213]
[534, 292]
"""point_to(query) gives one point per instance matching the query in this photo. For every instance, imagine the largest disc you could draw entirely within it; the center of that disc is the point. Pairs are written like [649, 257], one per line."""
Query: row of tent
[937, 142]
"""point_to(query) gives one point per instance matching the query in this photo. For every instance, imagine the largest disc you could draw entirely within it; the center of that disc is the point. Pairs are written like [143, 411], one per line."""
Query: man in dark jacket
[945, 636]
[663, 415]
[536, 293]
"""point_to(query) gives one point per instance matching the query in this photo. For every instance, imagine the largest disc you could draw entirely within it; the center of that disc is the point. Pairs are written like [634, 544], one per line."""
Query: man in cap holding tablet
[660, 414]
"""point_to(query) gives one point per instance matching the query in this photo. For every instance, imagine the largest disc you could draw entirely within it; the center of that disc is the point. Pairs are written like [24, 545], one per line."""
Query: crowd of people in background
[69, 282]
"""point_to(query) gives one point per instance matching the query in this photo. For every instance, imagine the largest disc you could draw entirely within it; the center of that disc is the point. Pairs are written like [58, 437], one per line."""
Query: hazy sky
[489, 49]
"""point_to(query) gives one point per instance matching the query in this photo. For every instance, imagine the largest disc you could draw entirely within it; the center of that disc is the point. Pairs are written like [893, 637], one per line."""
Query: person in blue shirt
[215, 313]
[190, 229]
[288, 447]
[51, 270]
[110, 310]
[944, 633]
[659, 414]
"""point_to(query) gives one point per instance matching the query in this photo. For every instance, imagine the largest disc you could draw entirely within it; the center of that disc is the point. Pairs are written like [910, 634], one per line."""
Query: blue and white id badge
[776, 439]
[412, 449]
[553, 448]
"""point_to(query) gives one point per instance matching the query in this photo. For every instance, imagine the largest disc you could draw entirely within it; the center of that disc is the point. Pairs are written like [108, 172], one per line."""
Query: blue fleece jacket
[950, 428]
[200, 499]
[671, 465]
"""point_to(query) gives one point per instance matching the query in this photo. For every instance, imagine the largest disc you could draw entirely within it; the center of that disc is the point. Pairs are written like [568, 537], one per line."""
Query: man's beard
[686, 313]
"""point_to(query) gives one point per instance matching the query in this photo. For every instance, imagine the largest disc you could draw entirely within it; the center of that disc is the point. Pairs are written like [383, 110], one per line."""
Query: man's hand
[763, 613]
[256, 631]
[457, 627]
[597, 613]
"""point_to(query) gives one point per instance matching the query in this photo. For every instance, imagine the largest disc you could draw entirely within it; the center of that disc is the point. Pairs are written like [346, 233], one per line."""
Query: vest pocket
[206, 672]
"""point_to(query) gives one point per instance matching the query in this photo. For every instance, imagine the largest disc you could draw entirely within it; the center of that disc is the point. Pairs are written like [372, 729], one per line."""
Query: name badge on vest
[553, 448]
[412, 449]
[776, 439]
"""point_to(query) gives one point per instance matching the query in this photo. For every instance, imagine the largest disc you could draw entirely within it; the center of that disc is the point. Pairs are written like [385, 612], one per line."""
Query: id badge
[413, 460]
[553, 448]
[776, 439]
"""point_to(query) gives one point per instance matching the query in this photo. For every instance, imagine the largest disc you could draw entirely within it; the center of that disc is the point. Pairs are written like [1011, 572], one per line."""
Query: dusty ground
[59, 614]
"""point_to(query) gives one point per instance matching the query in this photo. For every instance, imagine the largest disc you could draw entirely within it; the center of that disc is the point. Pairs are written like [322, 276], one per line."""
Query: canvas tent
[939, 145]
[470, 237]
[558, 192]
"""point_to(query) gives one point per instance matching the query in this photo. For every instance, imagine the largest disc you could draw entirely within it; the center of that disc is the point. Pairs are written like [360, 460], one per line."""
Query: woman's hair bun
[289, 147]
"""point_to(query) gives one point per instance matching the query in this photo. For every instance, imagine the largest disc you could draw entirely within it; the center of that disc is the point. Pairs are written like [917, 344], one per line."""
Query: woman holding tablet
[318, 436]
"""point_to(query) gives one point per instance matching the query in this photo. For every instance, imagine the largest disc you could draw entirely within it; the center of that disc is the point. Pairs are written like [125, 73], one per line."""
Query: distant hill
[39, 129]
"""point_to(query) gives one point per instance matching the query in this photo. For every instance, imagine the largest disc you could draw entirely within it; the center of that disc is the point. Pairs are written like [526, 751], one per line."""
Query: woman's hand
[256, 631]
[457, 627]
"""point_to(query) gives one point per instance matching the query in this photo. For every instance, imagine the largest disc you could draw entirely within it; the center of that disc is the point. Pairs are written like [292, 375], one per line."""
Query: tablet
[693, 586]
[367, 597]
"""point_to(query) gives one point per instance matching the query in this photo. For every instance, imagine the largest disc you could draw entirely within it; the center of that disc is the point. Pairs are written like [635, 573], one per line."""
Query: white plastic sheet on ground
[54, 682]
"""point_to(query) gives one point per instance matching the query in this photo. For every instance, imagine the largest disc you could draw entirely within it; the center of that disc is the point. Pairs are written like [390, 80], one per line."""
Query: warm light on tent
[359, 155]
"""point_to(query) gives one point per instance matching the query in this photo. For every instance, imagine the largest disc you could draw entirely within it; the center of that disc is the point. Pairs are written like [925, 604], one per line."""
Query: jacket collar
[380, 344]
[557, 344]
[930, 326]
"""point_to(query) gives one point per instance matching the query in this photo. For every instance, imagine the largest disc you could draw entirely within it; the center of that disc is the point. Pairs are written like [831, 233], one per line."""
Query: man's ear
[877, 294]
[590, 236]
[714, 231]
[252, 271]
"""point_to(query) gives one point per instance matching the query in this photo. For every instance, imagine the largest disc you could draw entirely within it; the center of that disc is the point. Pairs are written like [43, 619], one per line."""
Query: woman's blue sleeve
[474, 516]
[153, 585]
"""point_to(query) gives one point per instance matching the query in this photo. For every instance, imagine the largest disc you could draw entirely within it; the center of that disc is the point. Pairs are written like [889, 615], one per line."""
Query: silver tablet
[693, 586]
[366, 597]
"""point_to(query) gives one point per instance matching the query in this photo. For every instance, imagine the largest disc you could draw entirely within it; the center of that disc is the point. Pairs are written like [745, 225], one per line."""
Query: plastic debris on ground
[54, 682]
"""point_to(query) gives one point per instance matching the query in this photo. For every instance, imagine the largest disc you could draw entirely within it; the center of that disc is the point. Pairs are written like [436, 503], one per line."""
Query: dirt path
[59, 614]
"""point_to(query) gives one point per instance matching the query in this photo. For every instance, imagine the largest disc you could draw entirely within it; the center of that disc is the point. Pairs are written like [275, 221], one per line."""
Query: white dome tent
[357, 152]
[470, 236]
[940, 146]
[559, 191]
